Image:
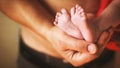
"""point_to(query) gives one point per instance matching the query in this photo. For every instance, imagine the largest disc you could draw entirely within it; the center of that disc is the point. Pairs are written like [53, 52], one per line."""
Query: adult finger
[104, 38]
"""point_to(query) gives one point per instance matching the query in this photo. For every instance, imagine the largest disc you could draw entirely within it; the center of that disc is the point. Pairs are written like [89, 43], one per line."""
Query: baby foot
[63, 21]
[78, 18]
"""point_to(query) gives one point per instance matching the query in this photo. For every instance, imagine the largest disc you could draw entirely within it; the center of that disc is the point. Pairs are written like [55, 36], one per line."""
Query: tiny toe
[72, 11]
[82, 14]
[64, 11]
[55, 22]
[58, 14]
[56, 19]
[79, 10]
[77, 6]
[82, 10]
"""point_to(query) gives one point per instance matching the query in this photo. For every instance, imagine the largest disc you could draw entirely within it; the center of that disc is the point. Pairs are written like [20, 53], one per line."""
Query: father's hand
[77, 52]
[104, 39]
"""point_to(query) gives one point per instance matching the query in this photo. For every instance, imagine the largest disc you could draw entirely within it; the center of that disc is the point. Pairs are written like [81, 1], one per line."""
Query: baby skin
[75, 24]
[64, 22]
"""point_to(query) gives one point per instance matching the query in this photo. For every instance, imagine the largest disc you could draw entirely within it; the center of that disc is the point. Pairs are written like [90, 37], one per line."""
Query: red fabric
[112, 45]
[103, 5]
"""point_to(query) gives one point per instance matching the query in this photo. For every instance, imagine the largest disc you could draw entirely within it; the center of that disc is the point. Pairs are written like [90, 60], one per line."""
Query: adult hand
[104, 39]
[75, 51]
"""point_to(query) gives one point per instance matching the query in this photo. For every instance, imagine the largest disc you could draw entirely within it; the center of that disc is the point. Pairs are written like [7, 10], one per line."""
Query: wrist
[43, 29]
[51, 33]
[54, 34]
[47, 32]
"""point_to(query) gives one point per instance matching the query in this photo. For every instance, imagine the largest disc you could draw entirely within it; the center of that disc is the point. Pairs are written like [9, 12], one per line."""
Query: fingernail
[92, 48]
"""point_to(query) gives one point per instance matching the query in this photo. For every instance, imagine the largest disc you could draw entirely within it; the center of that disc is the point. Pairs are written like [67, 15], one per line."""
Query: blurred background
[9, 44]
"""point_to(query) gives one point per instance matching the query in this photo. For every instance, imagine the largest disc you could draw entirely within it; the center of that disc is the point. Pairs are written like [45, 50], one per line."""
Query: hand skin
[102, 23]
[110, 17]
[30, 14]
[74, 56]
[71, 48]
